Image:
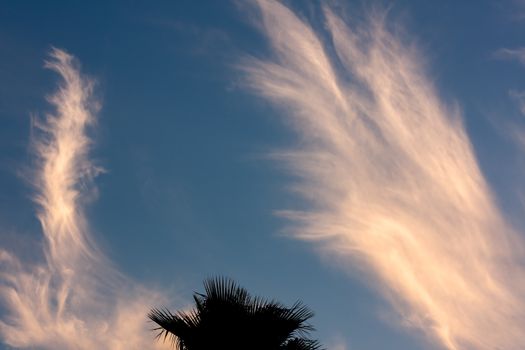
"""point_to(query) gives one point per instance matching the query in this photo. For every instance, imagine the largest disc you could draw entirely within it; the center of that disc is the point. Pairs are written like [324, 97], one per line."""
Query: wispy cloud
[75, 299]
[392, 178]
[511, 54]
[337, 343]
[519, 97]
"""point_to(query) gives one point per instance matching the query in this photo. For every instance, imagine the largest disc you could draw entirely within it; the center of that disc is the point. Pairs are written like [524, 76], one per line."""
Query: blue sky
[368, 161]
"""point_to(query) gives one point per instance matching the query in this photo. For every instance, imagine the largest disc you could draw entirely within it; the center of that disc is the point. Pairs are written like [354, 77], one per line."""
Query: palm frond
[227, 316]
[301, 344]
[178, 328]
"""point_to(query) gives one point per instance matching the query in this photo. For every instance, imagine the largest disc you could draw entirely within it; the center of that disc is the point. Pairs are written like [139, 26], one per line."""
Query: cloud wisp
[74, 299]
[392, 179]
[511, 54]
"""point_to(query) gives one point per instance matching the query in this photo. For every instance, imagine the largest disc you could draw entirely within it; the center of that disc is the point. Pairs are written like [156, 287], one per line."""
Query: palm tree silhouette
[226, 316]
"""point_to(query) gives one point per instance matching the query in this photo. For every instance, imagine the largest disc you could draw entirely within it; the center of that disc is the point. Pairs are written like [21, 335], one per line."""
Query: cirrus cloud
[75, 298]
[393, 182]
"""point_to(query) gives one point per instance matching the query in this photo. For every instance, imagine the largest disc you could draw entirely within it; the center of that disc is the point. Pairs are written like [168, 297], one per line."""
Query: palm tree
[226, 316]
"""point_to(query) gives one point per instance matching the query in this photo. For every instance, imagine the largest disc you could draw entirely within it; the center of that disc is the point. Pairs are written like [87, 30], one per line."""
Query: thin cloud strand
[517, 54]
[392, 179]
[75, 299]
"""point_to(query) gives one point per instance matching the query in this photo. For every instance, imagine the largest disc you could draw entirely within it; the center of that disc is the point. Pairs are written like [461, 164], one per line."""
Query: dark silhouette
[227, 317]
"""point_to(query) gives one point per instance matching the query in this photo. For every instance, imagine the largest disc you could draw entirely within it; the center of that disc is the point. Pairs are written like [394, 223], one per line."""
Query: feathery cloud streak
[75, 299]
[392, 179]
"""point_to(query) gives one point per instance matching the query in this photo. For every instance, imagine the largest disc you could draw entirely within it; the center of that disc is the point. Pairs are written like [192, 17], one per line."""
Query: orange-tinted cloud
[392, 179]
[74, 299]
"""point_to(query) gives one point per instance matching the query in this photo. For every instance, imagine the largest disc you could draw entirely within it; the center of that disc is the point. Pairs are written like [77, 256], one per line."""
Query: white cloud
[519, 98]
[511, 54]
[392, 179]
[337, 343]
[74, 299]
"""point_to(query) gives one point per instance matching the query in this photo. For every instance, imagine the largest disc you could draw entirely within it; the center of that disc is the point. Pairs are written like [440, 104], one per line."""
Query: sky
[366, 158]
